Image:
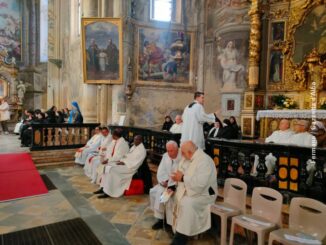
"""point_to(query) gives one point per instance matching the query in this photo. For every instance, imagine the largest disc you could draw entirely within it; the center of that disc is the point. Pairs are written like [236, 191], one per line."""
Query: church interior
[162, 122]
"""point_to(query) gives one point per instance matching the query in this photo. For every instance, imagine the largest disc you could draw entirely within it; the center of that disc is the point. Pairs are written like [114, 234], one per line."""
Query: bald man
[302, 137]
[196, 191]
[282, 135]
[177, 127]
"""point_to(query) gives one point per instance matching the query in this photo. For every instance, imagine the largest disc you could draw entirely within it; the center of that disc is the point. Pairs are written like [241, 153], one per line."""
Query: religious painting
[311, 34]
[232, 60]
[230, 105]
[259, 101]
[4, 89]
[276, 66]
[248, 101]
[247, 126]
[278, 30]
[102, 50]
[10, 29]
[164, 57]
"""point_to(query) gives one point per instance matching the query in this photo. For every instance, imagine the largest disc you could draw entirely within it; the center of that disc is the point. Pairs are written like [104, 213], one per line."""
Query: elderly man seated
[106, 140]
[319, 131]
[117, 176]
[91, 146]
[196, 191]
[168, 165]
[302, 137]
[177, 127]
[115, 151]
[282, 135]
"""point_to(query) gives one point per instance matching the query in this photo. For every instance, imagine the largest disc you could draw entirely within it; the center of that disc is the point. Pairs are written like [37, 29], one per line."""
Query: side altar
[270, 119]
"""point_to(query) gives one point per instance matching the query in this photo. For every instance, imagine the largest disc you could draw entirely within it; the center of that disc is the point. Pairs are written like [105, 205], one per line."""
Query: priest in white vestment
[196, 191]
[116, 150]
[91, 146]
[118, 176]
[167, 166]
[282, 135]
[193, 118]
[177, 126]
[302, 137]
[105, 142]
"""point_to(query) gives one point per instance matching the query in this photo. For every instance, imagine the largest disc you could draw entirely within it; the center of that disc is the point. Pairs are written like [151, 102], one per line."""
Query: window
[44, 30]
[163, 10]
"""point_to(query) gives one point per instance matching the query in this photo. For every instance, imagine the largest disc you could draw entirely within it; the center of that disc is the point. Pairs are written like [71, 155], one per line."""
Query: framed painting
[11, 29]
[164, 57]
[4, 89]
[278, 31]
[102, 50]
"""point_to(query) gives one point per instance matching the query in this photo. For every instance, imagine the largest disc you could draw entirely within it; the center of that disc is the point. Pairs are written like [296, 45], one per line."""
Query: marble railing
[61, 136]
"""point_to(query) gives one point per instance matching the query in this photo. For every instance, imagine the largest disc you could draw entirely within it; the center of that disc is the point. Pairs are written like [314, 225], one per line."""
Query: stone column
[32, 32]
[254, 47]
[201, 48]
[89, 101]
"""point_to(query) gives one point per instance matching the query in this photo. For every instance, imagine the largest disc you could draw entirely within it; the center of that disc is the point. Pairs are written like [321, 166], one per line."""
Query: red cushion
[136, 188]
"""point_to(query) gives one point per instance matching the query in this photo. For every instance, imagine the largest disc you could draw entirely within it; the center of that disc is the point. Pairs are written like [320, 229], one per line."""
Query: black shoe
[103, 196]
[179, 239]
[158, 225]
[99, 191]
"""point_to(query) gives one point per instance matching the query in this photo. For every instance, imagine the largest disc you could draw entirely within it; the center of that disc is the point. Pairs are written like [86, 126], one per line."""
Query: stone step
[52, 159]
[55, 165]
[69, 152]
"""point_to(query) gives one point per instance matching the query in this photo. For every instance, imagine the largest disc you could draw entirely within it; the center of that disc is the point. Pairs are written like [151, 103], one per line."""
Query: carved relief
[255, 34]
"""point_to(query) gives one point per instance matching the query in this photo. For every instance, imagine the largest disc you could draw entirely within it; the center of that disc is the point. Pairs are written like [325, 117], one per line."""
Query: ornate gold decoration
[297, 76]
[278, 14]
[255, 34]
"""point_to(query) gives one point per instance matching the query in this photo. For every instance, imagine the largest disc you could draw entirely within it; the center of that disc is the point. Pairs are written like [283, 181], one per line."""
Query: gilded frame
[108, 22]
[4, 85]
[294, 74]
[162, 83]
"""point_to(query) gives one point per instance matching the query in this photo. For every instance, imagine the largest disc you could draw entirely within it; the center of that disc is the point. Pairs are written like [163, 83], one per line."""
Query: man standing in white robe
[168, 165]
[302, 137]
[193, 118]
[91, 146]
[116, 150]
[282, 135]
[105, 142]
[118, 176]
[196, 191]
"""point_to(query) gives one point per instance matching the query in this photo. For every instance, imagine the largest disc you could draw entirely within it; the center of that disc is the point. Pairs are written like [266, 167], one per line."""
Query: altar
[269, 119]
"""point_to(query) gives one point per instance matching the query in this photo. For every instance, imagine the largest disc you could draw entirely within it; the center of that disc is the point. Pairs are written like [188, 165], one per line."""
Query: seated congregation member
[302, 137]
[105, 142]
[117, 176]
[216, 130]
[75, 115]
[167, 123]
[115, 151]
[235, 125]
[196, 191]
[26, 116]
[282, 135]
[26, 138]
[177, 126]
[319, 131]
[228, 131]
[168, 165]
[91, 146]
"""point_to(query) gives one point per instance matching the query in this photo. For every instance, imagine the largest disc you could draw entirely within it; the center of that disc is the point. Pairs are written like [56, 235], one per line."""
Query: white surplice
[176, 128]
[166, 167]
[302, 139]
[193, 119]
[105, 142]
[280, 136]
[116, 150]
[91, 146]
[195, 195]
[117, 178]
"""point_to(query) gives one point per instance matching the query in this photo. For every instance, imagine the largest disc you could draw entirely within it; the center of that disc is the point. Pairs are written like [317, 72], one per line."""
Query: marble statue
[228, 58]
[21, 90]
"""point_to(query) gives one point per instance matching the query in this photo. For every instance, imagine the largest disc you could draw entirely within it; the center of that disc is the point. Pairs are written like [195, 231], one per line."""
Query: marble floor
[125, 220]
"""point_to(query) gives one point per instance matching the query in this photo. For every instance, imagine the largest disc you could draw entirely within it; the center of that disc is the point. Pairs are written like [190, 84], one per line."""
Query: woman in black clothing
[235, 125]
[167, 123]
[228, 131]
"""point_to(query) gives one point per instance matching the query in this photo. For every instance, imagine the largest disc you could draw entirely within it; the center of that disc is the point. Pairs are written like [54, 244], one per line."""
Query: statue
[21, 90]
[228, 58]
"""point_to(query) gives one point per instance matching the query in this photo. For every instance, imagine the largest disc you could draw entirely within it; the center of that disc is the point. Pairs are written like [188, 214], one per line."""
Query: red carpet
[19, 177]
